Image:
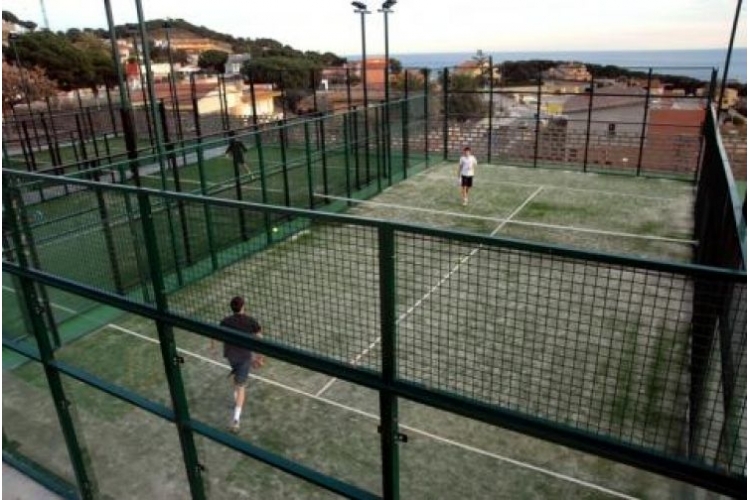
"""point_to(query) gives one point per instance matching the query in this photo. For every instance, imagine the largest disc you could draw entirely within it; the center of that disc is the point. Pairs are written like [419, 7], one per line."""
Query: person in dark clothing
[236, 150]
[240, 359]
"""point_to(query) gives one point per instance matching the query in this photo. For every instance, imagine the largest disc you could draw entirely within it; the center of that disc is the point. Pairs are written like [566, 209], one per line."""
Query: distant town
[213, 71]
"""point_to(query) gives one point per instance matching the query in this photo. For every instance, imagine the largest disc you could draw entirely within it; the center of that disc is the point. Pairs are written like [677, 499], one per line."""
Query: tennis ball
[275, 230]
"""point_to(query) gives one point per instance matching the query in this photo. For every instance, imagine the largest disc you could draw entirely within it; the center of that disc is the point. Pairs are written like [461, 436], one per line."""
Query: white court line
[439, 283]
[221, 184]
[374, 417]
[567, 188]
[188, 181]
[52, 304]
[515, 222]
[71, 234]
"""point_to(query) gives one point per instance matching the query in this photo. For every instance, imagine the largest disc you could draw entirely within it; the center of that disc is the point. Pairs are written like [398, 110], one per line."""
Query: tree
[290, 73]
[415, 81]
[9, 17]
[213, 60]
[464, 103]
[395, 66]
[99, 56]
[20, 84]
[180, 56]
[62, 61]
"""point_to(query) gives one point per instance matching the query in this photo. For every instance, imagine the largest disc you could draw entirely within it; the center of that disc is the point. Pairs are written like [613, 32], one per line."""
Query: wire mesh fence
[592, 122]
[590, 343]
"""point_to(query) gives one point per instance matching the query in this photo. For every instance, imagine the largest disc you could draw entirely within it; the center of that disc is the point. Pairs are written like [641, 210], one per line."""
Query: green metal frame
[388, 384]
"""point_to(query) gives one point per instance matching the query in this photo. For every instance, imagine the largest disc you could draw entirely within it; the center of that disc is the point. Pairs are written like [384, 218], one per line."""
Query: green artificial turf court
[594, 346]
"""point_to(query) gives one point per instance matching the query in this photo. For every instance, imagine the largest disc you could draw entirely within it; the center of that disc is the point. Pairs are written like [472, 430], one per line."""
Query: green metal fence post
[169, 144]
[644, 122]
[238, 194]
[308, 159]
[445, 114]
[426, 73]
[28, 235]
[78, 456]
[588, 125]
[263, 184]
[109, 240]
[380, 153]
[538, 113]
[347, 159]
[158, 136]
[405, 135]
[324, 157]
[202, 176]
[284, 166]
[355, 134]
[491, 112]
[389, 433]
[170, 357]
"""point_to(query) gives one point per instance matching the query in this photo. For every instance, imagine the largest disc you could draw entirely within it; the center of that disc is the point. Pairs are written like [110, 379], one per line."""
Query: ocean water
[693, 63]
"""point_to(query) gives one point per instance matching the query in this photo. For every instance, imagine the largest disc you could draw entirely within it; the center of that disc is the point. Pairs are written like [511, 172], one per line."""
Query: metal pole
[643, 123]
[445, 113]
[364, 57]
[386, 83]
[159, 144]
[404, 127]
[143, 87]
[170, 358]
[426, 73]
[175, 96]
[492, 112]
[538, 114]
[348, 89]
[362, 12]
[202, 177]
[116, 54]
[729, 53]
[588, 125]
[347, 162]
[78, 458]
[389, 432]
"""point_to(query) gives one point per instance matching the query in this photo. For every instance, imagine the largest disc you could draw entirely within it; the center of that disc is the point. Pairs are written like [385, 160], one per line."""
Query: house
[565, 86]
[134, 73]
[233, 66]
[210, 97]
[375, 72]
[575, 72]
[477, 68]
[731, 96]
[12, 28]
[125, 49]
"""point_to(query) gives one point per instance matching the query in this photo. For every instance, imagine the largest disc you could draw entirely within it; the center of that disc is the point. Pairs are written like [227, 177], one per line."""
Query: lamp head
[359, 5]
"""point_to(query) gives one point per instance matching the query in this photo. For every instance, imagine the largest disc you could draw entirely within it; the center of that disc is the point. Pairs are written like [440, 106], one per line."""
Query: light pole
[134, 33]
[361, 9]
[729, 54]
[173, 82]
[386, 9]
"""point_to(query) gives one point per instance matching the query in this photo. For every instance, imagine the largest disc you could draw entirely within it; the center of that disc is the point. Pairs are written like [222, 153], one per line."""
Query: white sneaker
[235, 426]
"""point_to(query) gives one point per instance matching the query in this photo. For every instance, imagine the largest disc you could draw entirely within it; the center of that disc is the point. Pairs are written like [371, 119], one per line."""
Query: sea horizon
[695, 63]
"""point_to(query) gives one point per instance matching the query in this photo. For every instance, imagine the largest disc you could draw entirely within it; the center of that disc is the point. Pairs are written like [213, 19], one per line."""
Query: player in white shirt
[466, 166]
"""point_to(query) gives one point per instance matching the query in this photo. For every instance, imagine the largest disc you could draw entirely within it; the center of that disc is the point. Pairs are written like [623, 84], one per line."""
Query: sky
[419, 26]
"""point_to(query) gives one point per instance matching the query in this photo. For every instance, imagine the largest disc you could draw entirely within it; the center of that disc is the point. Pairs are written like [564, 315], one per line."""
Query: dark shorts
[241, 373]
[467, 181]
